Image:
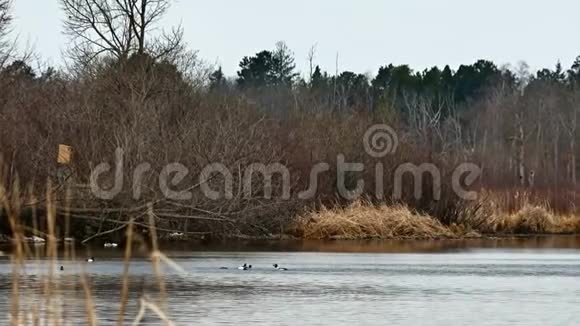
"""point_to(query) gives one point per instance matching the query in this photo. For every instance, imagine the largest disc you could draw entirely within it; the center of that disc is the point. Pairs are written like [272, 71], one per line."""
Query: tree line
[128, 83]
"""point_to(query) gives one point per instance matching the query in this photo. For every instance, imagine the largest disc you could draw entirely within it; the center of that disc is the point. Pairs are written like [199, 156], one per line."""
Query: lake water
[532, 282]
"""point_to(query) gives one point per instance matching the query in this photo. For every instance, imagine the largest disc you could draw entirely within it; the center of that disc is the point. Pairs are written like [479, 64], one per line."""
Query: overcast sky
[365, 33]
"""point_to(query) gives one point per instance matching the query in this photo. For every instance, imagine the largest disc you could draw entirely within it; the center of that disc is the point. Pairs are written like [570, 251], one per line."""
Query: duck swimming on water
[279, 268]
[244, 267]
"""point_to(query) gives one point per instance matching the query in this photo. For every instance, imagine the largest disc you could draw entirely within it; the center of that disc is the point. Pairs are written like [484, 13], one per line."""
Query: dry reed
[523, 213]
[363, 221]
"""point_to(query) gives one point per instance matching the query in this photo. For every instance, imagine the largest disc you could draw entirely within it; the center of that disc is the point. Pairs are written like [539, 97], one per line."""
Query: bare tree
[5, 16]
[311, 56]
[119, 28]
[5, 20]
[570, 124]
[523, 75]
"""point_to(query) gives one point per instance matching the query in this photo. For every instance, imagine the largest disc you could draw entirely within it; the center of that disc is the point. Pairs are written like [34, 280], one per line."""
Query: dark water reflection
[386, 246]
[493, 282]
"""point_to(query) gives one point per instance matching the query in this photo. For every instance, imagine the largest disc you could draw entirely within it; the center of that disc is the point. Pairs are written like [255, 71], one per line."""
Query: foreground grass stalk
[126, 265]
[89, 304]
[155, 257]
[45, 303]
[12, 206]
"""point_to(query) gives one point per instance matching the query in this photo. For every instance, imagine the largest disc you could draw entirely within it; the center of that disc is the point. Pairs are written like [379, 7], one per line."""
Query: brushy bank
[158, 114]
[493, 215]
[296, 128]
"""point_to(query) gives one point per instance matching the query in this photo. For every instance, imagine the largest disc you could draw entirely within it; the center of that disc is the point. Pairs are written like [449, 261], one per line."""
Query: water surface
[478, 284]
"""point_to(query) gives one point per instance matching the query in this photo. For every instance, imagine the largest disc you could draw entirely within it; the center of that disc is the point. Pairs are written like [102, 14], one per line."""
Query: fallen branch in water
[100, 234]
[144, 225]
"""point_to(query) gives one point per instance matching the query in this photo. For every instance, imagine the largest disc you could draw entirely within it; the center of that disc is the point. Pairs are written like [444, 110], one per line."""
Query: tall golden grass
[520, 212]
[364, 220]
[47, 306]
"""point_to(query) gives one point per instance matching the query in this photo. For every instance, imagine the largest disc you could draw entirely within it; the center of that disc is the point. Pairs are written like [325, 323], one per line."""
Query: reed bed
[362, 220]
[521, 212]
[534, 220]
[487, 217]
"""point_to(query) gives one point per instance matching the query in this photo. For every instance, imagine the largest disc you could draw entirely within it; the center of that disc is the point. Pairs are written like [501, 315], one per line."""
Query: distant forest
[130, 84]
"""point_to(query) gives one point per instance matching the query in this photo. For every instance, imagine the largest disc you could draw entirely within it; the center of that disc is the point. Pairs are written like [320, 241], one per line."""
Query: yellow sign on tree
[64, 154]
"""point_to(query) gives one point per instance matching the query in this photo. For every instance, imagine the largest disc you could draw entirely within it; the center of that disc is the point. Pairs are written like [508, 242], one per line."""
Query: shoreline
[5, 240]
[182, 250]
[359, 221]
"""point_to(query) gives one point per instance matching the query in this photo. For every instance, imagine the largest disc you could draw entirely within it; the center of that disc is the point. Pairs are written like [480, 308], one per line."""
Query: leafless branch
[118, 29]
